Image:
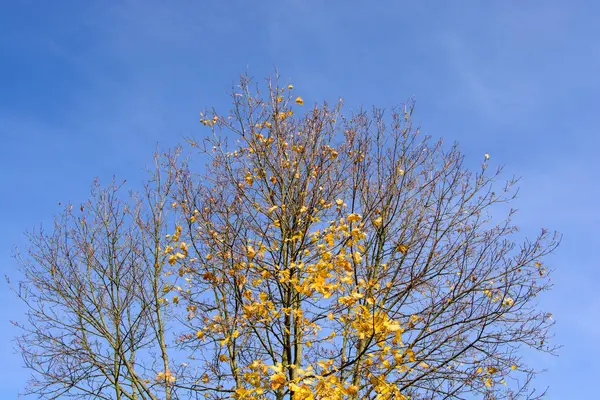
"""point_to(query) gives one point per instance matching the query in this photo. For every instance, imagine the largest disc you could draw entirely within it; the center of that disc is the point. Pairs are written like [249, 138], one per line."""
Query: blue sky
[89, 88]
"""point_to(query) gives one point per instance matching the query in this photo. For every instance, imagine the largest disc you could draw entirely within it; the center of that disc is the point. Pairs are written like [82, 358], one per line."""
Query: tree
[93, 290]
[321, 256]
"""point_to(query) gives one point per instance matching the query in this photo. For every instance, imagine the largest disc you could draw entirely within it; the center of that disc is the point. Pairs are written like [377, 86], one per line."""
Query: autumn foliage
[316, 256]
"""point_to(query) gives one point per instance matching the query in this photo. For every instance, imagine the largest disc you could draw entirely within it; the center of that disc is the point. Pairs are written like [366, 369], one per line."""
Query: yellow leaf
[491, 370]
[277, 380]
[250, 252]
[508, 302]
[354, 218]
[352, 390]
[411, 355]
[402, 249]
[278, 368]
[299, 100]
[394, 327]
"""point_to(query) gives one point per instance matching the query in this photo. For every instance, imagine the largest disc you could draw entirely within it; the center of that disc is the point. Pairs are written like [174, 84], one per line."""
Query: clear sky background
[88, 88]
